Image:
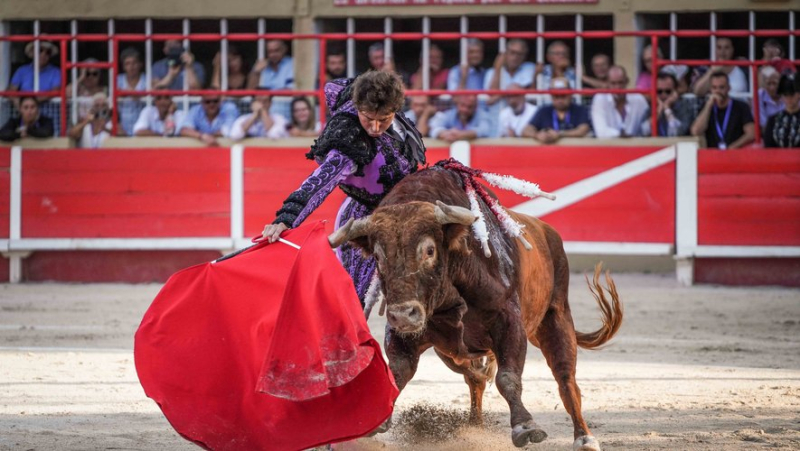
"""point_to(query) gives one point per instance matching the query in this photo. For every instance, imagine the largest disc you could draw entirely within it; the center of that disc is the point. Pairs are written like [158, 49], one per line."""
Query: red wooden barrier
[749, 197]
[5, 188]
[126, 193]
[639, 210]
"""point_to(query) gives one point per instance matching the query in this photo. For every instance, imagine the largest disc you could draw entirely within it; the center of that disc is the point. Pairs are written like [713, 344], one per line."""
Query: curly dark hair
[379, 91]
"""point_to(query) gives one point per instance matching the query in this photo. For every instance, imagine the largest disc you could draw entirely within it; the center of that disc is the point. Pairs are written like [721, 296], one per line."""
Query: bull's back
[541, 268]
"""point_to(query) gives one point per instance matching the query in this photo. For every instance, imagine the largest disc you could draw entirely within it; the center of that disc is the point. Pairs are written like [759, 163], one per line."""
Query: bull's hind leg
[556, 337]
[476, 373]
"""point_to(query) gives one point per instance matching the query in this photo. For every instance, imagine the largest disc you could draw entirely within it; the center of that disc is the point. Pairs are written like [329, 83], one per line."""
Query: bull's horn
[450, 214]
[350, 231]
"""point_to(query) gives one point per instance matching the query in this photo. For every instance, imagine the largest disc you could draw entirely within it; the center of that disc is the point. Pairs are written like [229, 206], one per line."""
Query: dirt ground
[696, 368]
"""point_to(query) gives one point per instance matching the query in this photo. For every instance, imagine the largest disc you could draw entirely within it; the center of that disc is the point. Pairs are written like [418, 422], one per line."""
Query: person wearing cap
[769, 99]
[618, 115]
[783, 129]
[561, 119]
[674, 113]
[726, 123]
[49, 75]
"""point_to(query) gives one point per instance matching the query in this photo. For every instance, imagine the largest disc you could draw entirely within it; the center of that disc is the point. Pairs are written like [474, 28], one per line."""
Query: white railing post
[237, 193]
[686, 211]
[426, 53]
[73, 104]
[15, 215]
[148, 59]
[223, 55]
[36, 46]
[461, 151]
[351, 48]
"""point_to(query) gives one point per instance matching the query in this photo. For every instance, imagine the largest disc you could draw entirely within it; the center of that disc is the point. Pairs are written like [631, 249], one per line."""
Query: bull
[442, 291]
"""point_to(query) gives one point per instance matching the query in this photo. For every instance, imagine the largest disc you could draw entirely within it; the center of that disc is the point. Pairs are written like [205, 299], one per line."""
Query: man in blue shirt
[168, 72]
[209, 120]
[274, 73]
[561, 119]
[462, 123]
[49, 75]
[471, 75]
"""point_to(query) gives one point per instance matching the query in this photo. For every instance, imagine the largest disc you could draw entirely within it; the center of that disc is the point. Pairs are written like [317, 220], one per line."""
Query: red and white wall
[138, 215]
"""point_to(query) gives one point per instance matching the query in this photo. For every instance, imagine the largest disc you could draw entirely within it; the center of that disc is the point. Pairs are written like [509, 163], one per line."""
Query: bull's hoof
[385, 426]
[528, 432]
[586, 443]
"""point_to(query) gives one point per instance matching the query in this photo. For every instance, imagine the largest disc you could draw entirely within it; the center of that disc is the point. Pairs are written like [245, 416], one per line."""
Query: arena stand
[138, 214]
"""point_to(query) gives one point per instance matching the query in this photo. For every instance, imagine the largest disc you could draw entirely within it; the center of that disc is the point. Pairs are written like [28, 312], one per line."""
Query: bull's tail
[612, 311]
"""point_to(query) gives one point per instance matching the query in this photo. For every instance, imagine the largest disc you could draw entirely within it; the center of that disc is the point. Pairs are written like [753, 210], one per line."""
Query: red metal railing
[323, 38]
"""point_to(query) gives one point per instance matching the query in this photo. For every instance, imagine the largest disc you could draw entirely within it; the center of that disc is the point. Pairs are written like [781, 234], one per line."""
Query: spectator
[773, 52]
[561, 119]
[169, 72]
[645, 80]
[160, 119]
[209, 121]
[132, 78]
[472, 74]
[274, 73]
[725, 122]
[95, 127]
[335, 64]
[510, 67]
[260, 123]
[377, 56]
[600, 65]
[674, 114]
[303, 122]
[516, 115]
[682, 74]
[783, 129]
[30, 123]
[463, 122]
[736, 77]
[437, 73]
[770, 102]
[420, 113]
[88, 85]
[558, 65]
[237, 75]
[49, 75]
[618, 115]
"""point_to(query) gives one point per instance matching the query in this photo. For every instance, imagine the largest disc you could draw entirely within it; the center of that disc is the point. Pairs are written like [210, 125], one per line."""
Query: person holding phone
[93, 129]
[177, 63]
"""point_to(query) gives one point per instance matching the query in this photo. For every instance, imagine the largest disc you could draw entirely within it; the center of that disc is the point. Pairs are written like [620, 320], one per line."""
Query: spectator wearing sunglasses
[49, 75]
[210, 120]
[88, 84]
[160, 119]
[674, 114]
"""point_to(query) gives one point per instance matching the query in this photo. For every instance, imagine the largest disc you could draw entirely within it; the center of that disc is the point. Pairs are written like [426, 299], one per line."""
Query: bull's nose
[405, 315]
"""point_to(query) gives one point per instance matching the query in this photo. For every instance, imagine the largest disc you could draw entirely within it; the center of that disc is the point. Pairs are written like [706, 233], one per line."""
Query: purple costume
[365, 168]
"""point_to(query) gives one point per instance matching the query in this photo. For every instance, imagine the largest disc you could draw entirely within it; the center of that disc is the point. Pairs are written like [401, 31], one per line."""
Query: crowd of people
[699, 101]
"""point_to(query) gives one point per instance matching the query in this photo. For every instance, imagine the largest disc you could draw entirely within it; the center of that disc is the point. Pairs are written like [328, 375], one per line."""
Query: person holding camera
[93, 129]
[178, 62]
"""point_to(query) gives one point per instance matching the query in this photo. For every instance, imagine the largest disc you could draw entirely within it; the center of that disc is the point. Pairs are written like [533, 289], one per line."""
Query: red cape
[265, 350]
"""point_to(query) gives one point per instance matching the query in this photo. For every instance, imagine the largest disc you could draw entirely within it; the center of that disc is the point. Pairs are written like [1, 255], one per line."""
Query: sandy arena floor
[702, 368]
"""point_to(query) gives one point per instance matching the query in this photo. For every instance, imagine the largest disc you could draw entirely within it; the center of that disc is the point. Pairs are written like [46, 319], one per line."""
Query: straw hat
[42, 44]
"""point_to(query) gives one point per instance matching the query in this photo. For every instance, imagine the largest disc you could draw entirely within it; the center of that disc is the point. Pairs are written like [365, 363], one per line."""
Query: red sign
[452, 2]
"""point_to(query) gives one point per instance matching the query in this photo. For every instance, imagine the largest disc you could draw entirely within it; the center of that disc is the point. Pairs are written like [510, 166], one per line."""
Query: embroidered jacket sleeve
[301, 203]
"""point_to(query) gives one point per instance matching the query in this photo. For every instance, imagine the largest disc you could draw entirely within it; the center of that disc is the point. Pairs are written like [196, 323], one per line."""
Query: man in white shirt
[515, 116]
[159, 119]
[260, 123]
[618, 115]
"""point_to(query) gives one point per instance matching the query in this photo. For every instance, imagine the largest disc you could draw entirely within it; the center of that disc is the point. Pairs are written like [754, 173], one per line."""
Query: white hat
[559, 83]
[42, 45]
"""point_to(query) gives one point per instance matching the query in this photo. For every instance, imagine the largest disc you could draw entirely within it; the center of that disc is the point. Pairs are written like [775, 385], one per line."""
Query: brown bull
[442, 292]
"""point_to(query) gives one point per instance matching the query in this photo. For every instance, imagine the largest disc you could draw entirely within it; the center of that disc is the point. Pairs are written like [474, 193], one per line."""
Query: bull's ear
[455, 238]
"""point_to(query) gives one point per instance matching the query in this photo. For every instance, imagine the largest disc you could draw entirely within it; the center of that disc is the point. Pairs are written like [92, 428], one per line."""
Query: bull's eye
[430, 251]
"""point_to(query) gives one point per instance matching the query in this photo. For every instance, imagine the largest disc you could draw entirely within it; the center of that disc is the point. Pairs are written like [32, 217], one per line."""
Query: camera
[174, 56]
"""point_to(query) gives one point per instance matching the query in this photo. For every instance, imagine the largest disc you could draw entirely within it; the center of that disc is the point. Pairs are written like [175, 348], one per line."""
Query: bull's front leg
[403, 354]
[511, 345]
